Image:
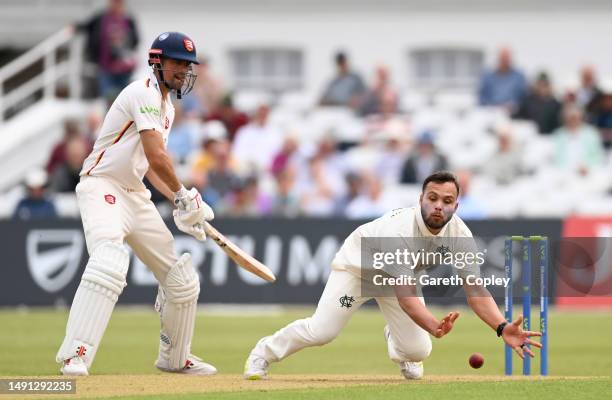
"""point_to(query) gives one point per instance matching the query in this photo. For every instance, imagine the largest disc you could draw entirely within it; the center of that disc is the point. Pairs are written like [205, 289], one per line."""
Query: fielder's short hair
[441, 177]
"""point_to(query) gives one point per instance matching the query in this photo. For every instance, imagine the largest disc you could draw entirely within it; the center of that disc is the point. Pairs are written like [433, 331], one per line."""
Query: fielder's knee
[416, 353]
[322, 334]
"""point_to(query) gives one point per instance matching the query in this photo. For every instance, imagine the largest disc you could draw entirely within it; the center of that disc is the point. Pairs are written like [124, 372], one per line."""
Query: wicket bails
[541, 243]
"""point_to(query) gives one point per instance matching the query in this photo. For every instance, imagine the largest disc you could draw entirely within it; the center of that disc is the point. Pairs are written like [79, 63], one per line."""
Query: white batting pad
[176, 302]
[100, 287]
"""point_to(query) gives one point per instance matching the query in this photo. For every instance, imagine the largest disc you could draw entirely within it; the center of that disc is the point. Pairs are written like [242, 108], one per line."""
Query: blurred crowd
[245, 164]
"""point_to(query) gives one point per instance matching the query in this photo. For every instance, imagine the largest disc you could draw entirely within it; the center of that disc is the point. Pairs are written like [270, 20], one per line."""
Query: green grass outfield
[354, 366]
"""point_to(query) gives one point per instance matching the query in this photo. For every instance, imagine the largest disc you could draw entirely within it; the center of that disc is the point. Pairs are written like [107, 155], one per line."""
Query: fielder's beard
[432, 223]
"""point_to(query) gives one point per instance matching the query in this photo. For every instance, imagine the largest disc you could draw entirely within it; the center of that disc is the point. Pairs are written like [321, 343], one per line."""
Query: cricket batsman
[409, 322]
[115, 208]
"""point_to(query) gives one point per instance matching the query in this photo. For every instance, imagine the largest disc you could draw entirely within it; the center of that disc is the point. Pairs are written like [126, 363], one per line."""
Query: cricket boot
[410, 369]
[74, 366]
[193, 366]
[256, 368]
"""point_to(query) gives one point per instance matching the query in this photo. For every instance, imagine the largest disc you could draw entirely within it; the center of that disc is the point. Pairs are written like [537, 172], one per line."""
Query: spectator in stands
[578, 145]
[370, 202]
[540, 106]
[372, 101]
[257, 143]
[112, 40]
[58, 154]
[388, 121]
[589, 93]
[354, 186]
[319, 192]
[286, 202]
[286, 156]
[66, 175]
[320, 181]
[207, 93]
[392, 158]
[245, 200]
[181, 139]
[505, 165]
[425, 161]
[92, 126]
[333, 161]
[213, 133]
[229, 116]
[346, 88]
[505, 86]
[569, 96]
[36, 204]
[603, 118]
[218, 173]
[470, 207]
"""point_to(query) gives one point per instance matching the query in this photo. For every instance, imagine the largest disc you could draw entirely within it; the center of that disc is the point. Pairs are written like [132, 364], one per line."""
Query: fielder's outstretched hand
[517, 338]
[446, 324]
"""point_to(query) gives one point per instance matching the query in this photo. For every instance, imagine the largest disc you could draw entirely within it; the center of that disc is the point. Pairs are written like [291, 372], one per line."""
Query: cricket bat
[239, 256]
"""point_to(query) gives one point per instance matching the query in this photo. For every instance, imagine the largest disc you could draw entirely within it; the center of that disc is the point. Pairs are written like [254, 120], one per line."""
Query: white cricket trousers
[112, 213]
[407, 342]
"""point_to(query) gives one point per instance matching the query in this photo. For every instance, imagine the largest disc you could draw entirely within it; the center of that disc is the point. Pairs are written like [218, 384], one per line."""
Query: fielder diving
[409, 322]
[116, 207]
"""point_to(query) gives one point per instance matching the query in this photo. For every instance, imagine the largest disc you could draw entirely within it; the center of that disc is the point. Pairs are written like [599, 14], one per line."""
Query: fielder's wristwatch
[500, 328]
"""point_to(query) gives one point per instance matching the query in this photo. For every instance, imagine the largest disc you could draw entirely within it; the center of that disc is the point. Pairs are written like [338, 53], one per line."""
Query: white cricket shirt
[118, 153]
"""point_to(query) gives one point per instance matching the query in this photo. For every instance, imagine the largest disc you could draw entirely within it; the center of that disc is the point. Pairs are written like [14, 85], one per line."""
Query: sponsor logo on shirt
[109, 198]
[166, 123]
[150, 110]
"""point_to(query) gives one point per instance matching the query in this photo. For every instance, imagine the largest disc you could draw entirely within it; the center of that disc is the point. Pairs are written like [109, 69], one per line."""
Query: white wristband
[180, 194]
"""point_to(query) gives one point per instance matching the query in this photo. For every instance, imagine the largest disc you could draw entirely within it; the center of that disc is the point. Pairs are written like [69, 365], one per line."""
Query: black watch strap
[500, 328]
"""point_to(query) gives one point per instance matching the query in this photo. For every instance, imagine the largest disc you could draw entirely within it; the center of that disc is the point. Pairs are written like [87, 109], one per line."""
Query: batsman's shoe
[412, 370]
[256, 368]
[74, 366]
[193, 366]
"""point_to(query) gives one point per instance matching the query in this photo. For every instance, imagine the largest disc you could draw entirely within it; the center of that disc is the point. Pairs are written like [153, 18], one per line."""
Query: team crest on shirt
[188, 45]
[166, 123]
[443, 250]
[110, 199]
[346, 301]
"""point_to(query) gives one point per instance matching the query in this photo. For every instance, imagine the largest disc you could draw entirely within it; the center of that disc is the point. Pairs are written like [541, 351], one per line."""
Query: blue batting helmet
[173, 45]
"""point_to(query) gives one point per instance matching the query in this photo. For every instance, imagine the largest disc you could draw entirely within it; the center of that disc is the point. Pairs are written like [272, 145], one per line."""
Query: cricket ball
[476, 360]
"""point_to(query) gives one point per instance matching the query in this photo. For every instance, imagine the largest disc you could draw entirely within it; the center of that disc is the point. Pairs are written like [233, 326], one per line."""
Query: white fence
[54, 71]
